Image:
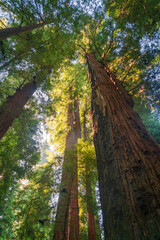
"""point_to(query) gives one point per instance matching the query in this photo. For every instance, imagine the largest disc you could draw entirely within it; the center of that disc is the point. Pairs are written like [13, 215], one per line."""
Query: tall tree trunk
[67, 219]
[14, 105]
[73, 217]
[13, 31]
[127, 159]
[90, 211]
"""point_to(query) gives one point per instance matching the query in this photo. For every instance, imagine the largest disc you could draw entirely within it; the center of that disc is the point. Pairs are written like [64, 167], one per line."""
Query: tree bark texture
[127, 160]
[14, 105]
[13, 31]
[67, 219]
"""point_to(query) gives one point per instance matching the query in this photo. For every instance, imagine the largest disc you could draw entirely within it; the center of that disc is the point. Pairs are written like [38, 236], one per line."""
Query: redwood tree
[14, 105]
[90, 211]
[127, 159]
[67, 219]
[13, 31]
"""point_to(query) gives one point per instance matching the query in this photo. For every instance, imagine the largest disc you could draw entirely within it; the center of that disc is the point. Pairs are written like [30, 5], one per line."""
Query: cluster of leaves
[149, 116]
[31, 208]
[144, 15]
[19, 150]
[68, 84]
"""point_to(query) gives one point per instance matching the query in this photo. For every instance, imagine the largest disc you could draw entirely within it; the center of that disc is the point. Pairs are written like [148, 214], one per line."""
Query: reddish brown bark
[14, 105]
[13, 31]
[67, 219]
[73, 216]
[127, 159]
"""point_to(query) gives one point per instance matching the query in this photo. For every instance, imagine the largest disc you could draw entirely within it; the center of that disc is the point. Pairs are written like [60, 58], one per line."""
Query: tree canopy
[46, 43]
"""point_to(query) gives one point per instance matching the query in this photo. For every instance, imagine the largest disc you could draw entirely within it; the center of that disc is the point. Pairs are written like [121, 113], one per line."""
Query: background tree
[87, 194]
[88, 176]
[67, 220]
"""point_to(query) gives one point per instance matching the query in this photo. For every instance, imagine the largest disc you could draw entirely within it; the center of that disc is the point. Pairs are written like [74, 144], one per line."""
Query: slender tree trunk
[60, 230]
[14, 105]
[73, 217]
[90, 210]
[85, 122]
[13, 31]
[127, 159]
[67, 219]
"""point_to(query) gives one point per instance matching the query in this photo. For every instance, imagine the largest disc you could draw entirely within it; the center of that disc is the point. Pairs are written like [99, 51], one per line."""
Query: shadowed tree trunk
[67, 219]
[127, 159]
[14, 105]
[89, 197]
[13, 31]
[73, 217]
[90, 210]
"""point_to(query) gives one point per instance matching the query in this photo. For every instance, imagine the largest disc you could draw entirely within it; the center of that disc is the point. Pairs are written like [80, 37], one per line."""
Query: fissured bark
[14, 105]
[127, 159]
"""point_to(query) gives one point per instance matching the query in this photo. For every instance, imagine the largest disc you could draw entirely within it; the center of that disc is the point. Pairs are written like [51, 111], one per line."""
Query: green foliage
[32, 209]
[143, 15]
[131, 56]
[7, 216]
[28, 12]
[72, 82]
[33, 212]
[54, 54]
[19, 151]
[149, 117]
[87, 169]
[86, 155]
